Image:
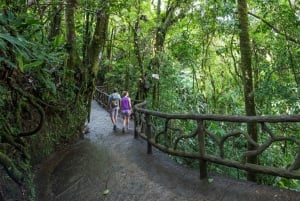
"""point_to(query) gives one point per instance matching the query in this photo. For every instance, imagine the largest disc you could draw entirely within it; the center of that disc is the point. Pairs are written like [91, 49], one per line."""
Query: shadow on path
[116, 161]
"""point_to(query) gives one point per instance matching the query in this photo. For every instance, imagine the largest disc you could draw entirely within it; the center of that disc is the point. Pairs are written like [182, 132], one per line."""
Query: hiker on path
[125, 110]
[113, 107]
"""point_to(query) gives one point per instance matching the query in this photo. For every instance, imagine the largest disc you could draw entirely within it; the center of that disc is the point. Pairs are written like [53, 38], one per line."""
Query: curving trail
[115, 161]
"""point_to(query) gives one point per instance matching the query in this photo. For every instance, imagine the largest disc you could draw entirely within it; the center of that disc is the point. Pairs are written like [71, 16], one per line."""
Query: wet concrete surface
[113, 166]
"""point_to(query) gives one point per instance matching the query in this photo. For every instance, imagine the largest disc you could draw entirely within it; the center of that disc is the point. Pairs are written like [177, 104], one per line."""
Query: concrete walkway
[112, 166]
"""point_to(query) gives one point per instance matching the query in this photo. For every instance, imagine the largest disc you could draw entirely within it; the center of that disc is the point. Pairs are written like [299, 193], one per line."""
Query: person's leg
[113, 118]
[116, 115]
[124, 122]
[129, 116]
[127, 120]
[111, 115]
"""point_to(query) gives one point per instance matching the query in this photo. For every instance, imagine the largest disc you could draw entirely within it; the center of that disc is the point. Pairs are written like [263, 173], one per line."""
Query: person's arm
[120, 100]
[108, 103]
[120, 103]
[129, 101]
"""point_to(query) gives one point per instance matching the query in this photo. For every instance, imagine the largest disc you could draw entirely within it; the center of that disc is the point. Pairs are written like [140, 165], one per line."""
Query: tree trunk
[95, 53]
[141, 89]
[164, 23]
[71, 41]
[247, 77]
[86, 38]
[55, 23]
[161, 32]
[98, 41]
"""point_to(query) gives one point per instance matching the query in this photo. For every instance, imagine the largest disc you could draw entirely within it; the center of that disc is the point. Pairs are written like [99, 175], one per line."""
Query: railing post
[201, 143]
[135, 124]
[148, 133]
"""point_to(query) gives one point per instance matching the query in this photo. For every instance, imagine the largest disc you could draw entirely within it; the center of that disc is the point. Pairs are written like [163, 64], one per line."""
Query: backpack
[114, 101]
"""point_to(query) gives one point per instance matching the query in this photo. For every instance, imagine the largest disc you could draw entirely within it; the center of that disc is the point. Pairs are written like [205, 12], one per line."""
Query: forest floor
[113, 166]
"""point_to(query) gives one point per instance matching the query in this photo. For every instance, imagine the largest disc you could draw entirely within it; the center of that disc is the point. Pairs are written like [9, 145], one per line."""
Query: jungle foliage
[218, 57]
[181, 56]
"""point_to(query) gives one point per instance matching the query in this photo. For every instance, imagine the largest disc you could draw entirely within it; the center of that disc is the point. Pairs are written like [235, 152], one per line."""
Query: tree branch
[276, 29]
[31, 100]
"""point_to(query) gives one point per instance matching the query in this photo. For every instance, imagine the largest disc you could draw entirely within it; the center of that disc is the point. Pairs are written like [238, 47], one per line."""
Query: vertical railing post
[135, 116]
[148, 133]
[201, 143]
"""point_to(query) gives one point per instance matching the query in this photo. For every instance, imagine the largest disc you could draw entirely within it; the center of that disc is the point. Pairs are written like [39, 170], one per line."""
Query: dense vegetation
[221, 57]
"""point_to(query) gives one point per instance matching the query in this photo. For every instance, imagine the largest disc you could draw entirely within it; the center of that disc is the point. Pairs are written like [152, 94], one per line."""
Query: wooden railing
[101, 96]
[163, 131]
[214, 139]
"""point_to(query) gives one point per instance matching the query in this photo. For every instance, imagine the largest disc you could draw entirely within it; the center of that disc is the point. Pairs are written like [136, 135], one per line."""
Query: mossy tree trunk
[96, 52]
[55, 24]
[247, 72]
[71, 55]
[141, 93]
[163, 26]
[164, 23]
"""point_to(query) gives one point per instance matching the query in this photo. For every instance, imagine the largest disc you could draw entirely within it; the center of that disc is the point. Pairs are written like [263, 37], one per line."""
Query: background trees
[191, 56]
[218, 57]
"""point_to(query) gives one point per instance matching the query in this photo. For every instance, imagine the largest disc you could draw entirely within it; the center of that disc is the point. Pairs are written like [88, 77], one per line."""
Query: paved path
[118, 163]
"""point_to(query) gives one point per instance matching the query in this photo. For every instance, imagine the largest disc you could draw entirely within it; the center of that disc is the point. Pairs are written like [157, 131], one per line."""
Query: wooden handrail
[203, 134]
[101, 96]
[165, 135]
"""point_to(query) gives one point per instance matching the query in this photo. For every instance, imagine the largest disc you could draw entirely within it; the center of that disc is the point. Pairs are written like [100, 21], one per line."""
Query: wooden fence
[101, 96]
[221, 139]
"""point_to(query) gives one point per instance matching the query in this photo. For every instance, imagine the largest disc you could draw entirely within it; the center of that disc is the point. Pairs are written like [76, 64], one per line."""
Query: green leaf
[20, 63]
[3, 44]
[18, 43]
[106, 192]
[33, 64]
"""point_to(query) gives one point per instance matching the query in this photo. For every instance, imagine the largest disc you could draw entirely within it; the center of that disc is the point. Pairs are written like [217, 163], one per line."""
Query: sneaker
[123, 130]
[115, 127]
